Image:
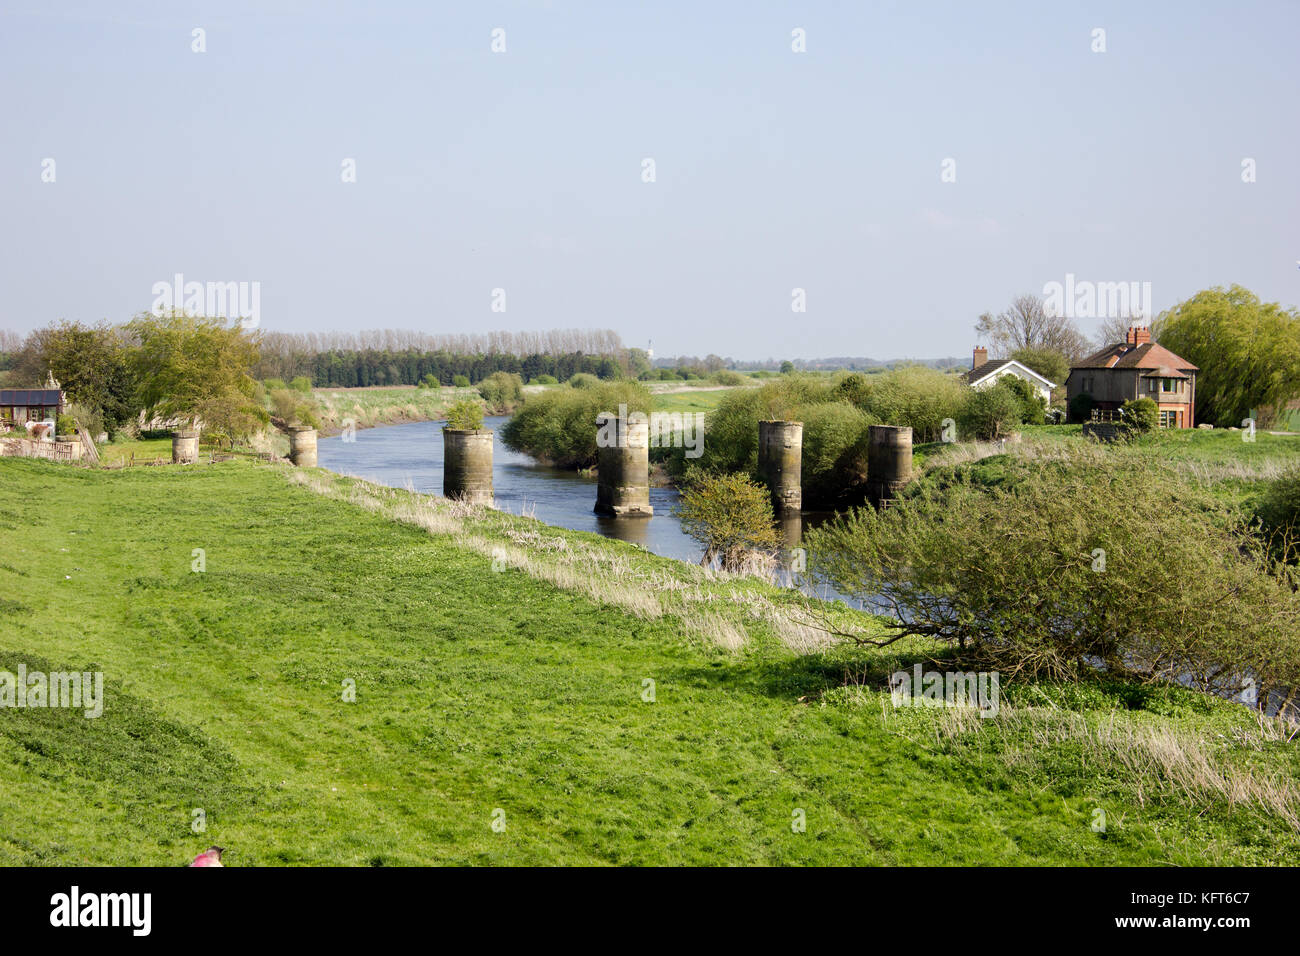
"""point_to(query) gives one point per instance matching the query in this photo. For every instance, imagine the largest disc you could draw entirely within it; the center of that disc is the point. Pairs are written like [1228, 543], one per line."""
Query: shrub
[990, 413]
[301, 384]
[1279, 516]
[1081, 406]
[460, 381]
[545, 380]
[730, 515]
[919, 397]
[502, 391]
[465, 415]
[1031, 402]
[727, 377]
[65, 425]
[1141, 414]
[274, 384]
[854, 388]
[584, 380]
[291, 408]
[559, 426]
[1058, 572]
[834, 465]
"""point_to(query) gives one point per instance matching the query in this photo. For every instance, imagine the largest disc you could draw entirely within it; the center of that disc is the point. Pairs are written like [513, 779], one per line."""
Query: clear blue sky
[522, 170]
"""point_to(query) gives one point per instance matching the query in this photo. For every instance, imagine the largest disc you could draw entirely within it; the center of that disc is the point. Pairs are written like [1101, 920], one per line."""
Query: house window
[1170, 420]
[1168, 385]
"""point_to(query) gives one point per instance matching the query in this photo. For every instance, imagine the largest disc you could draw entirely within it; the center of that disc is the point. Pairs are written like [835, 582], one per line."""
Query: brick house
[1137, 368]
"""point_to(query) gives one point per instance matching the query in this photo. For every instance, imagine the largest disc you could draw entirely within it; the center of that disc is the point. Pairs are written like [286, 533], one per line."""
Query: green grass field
[517, 696]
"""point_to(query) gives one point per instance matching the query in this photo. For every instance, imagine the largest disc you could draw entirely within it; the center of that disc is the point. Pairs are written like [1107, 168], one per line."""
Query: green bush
[583, 380]
[65, 425]
[558, 426]
[274, 384]
[465, 415]
[502, 391]
[460, 381]
[1037, 576]
[291, 408]
[990, 413]
[727, 377]
[1141, 414]
[1080, 407]
[918, 397]
[834, 466]
[854, 388]
[1279, 516]
[301, 384]
[1032, 406]
[544, 380]
[730, 515]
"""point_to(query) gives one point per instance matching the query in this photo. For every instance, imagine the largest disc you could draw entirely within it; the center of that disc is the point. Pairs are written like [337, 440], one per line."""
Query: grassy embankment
[523, 690]
[1221, 461]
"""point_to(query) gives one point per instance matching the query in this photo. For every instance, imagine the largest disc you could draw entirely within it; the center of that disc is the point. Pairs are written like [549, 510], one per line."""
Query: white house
[984, 373]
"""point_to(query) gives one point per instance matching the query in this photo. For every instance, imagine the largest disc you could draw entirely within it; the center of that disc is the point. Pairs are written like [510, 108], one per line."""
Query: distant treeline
[395, 357]
[712, 363]
[352, 369]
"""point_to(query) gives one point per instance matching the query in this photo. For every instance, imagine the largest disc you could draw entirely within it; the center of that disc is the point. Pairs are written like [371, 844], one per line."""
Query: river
[396, 455]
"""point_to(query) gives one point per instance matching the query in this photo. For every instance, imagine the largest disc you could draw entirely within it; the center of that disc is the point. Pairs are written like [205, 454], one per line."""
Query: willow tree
[1248, 351]
[196, 369]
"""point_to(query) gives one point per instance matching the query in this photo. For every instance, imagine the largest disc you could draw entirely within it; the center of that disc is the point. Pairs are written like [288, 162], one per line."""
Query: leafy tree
[90, 363]
[460, 381]
[1050, 363]
[730, 515]
[1248, 352]
[196, 369]
[787, 367]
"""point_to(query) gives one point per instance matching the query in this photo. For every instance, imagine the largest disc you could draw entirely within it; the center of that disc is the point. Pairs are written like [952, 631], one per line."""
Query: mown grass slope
[487, 696]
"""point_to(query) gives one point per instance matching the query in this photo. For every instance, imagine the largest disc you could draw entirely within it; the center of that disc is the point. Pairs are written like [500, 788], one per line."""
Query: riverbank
[334, 672]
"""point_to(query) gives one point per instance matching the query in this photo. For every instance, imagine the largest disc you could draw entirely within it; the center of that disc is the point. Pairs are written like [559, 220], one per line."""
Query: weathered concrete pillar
[889, 461]
[467, 464]
[302, 446]
[185, 446]
[780, 461]
[623, 465]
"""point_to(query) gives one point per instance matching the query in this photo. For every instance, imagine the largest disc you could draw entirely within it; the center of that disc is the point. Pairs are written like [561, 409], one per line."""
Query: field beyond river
[311, 669]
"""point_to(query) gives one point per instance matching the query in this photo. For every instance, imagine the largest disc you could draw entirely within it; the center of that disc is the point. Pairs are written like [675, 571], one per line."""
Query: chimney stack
[1139, 334]
[981, 356]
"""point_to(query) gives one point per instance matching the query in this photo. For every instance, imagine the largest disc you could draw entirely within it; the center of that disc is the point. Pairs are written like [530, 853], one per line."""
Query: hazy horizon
[523, 170]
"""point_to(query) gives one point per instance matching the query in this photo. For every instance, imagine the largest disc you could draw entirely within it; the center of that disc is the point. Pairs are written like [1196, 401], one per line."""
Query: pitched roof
[1150, 356]
[988, 368]
[30, 396]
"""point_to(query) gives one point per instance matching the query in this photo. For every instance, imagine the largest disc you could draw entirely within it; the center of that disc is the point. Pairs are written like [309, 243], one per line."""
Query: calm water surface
[396, 455]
